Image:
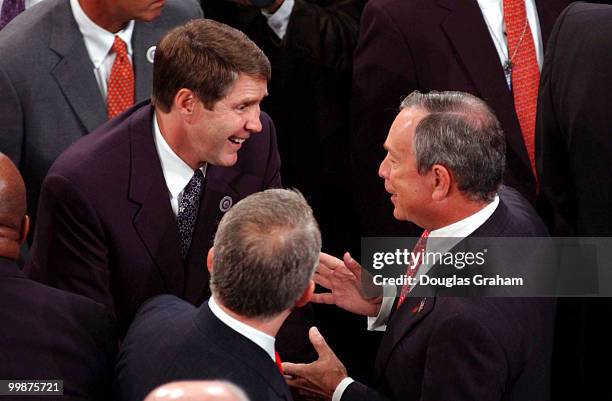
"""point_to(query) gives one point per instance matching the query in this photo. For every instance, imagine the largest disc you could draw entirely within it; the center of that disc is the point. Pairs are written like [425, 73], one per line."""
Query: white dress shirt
[177, 173]
[98, 42]
[265, 341]
[279, 20]
[440, 240]
[493, 14]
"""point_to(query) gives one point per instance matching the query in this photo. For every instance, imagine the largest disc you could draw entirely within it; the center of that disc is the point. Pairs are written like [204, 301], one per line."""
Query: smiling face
[215, 136]
[410, 191]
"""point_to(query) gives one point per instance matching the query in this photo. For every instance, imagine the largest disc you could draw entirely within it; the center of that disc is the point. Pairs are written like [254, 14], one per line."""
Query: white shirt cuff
[279, 20]
[379, 322]
[341, 387]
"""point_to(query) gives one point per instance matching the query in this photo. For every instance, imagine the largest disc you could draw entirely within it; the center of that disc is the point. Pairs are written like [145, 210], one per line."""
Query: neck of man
[455, 209]
[103, 15]
[9, 243]
[171, 128]
[270, 326]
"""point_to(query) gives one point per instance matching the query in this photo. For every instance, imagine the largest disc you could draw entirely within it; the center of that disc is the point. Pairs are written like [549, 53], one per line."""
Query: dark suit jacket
[573, 149]
[172, 340]
[50, 97]
[427, 45]
[574, 131]
[468, 348]
[51, 334]
[106, 229]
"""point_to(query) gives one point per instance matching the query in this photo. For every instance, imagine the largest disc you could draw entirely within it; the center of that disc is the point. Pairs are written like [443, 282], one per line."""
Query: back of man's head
[461, 133]
[206, 57]
[265, 252]
[13, 220]
[197, 391]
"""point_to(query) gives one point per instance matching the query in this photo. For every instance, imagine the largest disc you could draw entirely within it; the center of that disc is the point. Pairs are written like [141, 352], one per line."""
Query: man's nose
[253, 123]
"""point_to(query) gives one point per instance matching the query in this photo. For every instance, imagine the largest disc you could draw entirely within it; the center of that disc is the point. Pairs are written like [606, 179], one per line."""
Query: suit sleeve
[556, 201]
[327, 34]
[360, 392]
[11, 120]
[465, 362]
[272, 176]
[383, 74]
[69, 250]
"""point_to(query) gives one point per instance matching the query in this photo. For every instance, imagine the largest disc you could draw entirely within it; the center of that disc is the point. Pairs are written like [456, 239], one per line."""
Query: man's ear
[306, 295]
[185, 102]
[25, 229]
[442, 180]
[209, 259]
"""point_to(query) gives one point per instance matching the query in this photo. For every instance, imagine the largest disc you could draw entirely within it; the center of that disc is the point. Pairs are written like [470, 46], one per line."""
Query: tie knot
[119, 47]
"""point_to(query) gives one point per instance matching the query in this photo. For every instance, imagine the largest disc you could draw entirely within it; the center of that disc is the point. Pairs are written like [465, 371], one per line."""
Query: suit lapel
[142, 40]
[467, 32]
[405, 319]
[218, 196]
[74, 72]
[154, 221]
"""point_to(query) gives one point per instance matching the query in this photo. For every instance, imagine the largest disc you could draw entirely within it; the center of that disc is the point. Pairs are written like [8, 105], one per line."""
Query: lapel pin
[151, 54]
[225, 204]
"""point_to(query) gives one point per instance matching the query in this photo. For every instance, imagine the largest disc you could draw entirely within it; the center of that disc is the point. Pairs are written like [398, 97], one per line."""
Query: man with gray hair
[262, 262]
[443, 169]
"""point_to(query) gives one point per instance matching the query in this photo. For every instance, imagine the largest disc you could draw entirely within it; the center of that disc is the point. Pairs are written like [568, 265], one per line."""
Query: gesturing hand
[343, 279]
[320, 377]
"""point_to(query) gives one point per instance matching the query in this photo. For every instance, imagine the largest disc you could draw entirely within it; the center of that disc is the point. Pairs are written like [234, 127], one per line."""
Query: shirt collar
[467, 226]
[99, 41]
[265, 341]
[177, 173]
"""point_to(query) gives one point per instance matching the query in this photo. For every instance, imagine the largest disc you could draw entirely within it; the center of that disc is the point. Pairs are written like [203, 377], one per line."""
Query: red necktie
[419, 250]
[525, 71]
[120, 81]
[279, 363]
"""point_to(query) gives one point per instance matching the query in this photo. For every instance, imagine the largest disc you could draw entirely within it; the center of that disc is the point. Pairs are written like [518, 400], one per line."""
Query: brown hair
[205, 56]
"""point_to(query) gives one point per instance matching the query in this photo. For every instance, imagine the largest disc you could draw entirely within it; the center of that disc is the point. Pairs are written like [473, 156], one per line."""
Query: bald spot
[12, 195]
[197, 391]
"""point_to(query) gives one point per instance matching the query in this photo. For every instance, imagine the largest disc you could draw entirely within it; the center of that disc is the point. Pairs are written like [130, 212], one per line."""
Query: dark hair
[205, 56]
[461, 133]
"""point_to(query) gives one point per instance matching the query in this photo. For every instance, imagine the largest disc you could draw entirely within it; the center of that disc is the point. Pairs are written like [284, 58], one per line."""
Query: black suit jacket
[172, 340]
[106, 229]
[427, 45]
[574, 131]
[51, 334]
[449, 348]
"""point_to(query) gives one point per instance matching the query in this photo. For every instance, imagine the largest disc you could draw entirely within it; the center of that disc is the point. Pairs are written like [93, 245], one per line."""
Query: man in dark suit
[425, 45]
[129, 211]
[443, 169]
[264, 255]
[55, 61]
[574, 149]
[47, 334]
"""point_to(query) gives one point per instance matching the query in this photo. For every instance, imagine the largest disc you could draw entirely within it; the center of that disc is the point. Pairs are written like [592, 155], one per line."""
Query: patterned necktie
[120, 81]
[419, 250]
[188, 210]
[10, 9]
[525, 71]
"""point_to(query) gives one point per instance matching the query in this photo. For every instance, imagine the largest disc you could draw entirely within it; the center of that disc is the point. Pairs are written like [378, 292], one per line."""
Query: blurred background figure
[574, 149]
[197, 391]
[491, 49]
[67, 66]
[46, 333]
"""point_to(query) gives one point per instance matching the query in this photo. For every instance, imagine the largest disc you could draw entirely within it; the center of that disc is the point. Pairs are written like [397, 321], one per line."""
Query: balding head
[13, 220]
[197, 391]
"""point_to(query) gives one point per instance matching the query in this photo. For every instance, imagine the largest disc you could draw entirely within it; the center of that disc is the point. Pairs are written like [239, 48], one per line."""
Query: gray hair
[265, 252]
[461, 133]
